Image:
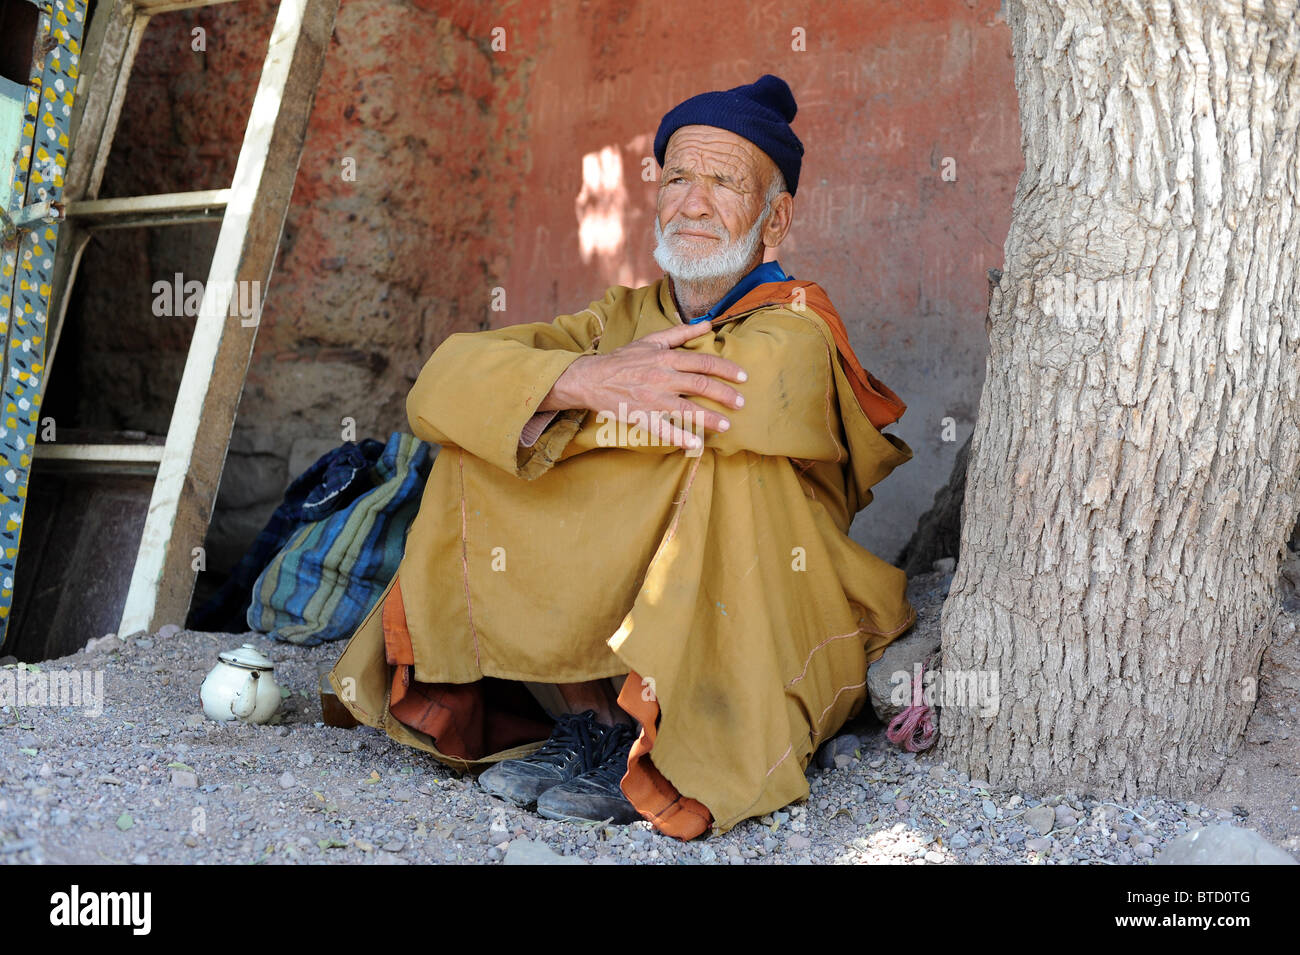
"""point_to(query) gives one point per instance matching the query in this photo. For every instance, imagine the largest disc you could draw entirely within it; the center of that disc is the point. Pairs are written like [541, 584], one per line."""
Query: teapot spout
[244, 704]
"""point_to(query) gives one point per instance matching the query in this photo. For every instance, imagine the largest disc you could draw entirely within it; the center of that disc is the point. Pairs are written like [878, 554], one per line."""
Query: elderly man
[634, 545]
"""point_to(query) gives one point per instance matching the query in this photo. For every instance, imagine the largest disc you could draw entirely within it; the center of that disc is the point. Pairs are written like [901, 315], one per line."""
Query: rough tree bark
[1135, 468]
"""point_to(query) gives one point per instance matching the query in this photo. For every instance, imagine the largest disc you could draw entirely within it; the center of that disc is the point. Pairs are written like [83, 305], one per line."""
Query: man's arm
[653, 374]
[479, 390]
[790, 402]
[764, 384]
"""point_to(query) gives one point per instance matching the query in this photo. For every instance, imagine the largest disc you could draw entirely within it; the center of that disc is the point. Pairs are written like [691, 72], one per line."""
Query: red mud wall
[479, 168]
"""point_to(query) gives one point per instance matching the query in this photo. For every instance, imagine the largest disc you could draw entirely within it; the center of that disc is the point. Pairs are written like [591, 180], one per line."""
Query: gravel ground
[151, 780]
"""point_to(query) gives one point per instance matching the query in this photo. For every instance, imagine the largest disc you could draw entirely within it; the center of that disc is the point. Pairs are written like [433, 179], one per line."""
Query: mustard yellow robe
[726, 579]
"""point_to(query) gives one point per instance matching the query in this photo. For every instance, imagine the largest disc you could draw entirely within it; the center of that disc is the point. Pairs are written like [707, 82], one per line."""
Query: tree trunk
[1135, 468]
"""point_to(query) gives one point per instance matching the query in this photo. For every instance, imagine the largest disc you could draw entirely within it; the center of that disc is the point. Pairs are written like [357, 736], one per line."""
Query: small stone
[902, 807]
[182, 779]
[900, 657]
[167, 631]
[844, 745]
[107, 642]
[707, 854]
[1063, 813]
[798, 843]
[287, 781]
[1143, 850]
[958, 841]
[944, 565]
[140, 859]
[1040, 818]
[770, 844]
[934, 857]
[1038, 845]
[989, 808]
[191, 840]
[1223, 845]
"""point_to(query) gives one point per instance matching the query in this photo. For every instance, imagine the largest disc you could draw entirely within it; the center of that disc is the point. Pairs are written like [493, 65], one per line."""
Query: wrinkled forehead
[710, 151]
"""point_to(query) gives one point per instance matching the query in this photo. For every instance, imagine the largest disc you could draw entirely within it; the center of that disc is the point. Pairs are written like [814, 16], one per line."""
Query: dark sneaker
[575, 746]
[595, 796]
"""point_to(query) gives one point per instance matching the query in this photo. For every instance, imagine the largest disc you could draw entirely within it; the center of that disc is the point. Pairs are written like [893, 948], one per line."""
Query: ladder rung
[100, 458]
[167, 209]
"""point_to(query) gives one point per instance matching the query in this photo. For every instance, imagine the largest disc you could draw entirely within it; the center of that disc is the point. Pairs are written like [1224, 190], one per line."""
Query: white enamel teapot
[241, 687]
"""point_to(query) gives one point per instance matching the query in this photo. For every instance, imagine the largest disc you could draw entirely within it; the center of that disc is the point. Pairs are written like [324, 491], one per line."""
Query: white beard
[728, 261]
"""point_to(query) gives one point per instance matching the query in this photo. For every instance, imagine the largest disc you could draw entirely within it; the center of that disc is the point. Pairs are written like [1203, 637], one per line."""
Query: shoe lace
[613, 762]
[576, 735]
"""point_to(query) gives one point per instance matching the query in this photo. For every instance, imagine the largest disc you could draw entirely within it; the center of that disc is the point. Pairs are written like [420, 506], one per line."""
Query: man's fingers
[691, 361]
[677, 335]
[671, 432]
[696, 417]
[684, 383]
[706, 364]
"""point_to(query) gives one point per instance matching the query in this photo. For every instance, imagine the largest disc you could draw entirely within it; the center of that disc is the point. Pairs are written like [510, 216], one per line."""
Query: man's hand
[652, 375]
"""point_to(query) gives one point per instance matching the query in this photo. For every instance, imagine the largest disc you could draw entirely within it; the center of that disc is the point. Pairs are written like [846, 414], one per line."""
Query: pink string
[914, 729]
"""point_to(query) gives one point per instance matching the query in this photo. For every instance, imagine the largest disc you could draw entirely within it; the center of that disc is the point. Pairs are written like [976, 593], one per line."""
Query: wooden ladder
[251, 213]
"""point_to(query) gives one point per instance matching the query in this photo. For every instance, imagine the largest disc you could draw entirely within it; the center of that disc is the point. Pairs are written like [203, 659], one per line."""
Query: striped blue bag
[331, 572]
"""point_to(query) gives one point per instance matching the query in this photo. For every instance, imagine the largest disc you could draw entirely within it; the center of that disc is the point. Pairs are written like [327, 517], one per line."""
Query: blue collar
[764, 272]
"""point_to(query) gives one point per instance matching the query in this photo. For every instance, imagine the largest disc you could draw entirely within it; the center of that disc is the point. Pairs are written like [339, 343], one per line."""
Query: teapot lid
[247, 656]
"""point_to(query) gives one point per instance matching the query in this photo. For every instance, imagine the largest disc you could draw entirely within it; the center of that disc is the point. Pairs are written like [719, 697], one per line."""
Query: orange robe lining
[468, 720]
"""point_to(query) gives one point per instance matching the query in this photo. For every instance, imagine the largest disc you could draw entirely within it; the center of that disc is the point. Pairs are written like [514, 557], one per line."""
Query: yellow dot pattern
[26, 269]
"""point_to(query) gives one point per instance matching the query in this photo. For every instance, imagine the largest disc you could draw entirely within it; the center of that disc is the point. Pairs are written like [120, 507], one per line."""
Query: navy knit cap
[760, 112]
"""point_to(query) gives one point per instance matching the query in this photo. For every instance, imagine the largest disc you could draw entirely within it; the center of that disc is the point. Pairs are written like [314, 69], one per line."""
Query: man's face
[711, 208]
